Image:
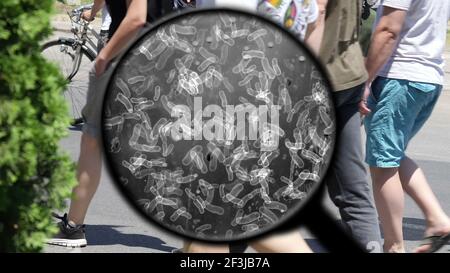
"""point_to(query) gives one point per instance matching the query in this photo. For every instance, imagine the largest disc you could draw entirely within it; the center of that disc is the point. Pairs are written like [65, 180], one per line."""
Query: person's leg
[88, 174]
[90, 160]
[72, 231]
[389, 200]
[415, 184]
[291, 242]
[71, 225]
[399, 110]
[384, 150]
[347, 181]
[103, 40]
[198, 247]
[238, 247]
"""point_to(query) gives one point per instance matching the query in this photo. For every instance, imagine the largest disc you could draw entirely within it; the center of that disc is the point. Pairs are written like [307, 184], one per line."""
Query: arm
[384, 41]
[314, 33]
[134, 20]
[89, 15]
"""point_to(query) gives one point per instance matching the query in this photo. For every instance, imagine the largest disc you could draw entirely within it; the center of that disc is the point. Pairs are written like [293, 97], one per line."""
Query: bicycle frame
[80, 29]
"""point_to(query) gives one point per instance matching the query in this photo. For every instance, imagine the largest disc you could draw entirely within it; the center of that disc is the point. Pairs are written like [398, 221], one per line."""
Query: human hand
[363, 108]
[87, 15]
[100, 65]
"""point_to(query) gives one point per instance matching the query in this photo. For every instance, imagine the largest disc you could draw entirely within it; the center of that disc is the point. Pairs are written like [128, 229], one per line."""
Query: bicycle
[71, 54]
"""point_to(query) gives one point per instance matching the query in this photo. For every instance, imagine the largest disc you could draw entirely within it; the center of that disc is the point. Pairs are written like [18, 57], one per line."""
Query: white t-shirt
[106, 19]
[294, 15]
[247, 5]
[418, 56]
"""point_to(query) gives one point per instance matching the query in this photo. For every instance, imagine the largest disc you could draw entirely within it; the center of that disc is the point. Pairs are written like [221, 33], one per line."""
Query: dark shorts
[92, 111]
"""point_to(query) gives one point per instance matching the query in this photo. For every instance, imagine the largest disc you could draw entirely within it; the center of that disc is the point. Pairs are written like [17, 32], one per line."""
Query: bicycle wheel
[64, 54]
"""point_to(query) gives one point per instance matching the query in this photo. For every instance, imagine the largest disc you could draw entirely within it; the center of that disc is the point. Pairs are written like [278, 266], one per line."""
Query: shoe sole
[441, 242]
[68, 243]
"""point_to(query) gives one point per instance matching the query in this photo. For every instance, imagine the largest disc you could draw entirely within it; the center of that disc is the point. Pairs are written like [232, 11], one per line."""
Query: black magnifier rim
[288, 217]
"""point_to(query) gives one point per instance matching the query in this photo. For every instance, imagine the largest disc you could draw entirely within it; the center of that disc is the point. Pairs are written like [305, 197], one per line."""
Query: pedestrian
[104, 30]
[128, 17]
[406, 75]
[89, 15]
[297, 16]
[347, 181]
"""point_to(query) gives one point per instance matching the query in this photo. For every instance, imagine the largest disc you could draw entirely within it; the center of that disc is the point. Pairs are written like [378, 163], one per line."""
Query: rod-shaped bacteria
[186, 179]
[223, 54]
[203, 228]
[256, 34]
[184, 30]
[249, 218]
[276, 67]
[249, 54]
[124, 100]
[155, 53]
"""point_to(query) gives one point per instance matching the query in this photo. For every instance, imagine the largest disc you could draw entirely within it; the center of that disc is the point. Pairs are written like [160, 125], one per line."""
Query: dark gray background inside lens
[227, 188]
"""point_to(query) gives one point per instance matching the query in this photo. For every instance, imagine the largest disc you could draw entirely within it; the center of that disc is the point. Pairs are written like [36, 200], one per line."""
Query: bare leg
[415, 184]
[197, 247]
[291, 242]
[389, 200]
[88, 174]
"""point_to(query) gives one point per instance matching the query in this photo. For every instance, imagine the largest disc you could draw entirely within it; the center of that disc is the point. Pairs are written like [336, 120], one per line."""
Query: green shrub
[35, 176]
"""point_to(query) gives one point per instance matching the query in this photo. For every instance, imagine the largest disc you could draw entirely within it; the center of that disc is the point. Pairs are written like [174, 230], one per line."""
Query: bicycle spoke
[75, 92]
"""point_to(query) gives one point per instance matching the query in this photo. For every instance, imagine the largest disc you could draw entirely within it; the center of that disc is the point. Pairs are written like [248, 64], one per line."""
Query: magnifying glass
[219, 125]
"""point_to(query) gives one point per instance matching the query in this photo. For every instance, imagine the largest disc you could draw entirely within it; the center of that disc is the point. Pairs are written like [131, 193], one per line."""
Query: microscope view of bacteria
[218, 124]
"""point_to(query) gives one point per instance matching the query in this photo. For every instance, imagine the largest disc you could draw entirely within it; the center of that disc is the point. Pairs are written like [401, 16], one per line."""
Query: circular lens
[218, 125]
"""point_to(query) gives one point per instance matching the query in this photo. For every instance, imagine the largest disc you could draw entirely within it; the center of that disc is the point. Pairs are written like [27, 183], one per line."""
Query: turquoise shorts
[399, 109]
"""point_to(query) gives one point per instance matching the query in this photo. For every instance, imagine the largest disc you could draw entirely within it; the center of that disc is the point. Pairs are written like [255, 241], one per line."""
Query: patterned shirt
[294, 15]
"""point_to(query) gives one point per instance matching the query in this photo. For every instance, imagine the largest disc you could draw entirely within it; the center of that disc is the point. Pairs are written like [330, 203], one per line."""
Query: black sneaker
[69, 235]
